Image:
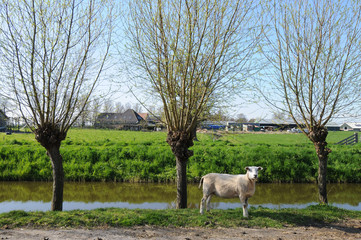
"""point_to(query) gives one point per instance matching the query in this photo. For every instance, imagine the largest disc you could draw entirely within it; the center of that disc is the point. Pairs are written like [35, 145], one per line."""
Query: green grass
[109, 155]
[115, 217]
[96, 137]
[90, 137]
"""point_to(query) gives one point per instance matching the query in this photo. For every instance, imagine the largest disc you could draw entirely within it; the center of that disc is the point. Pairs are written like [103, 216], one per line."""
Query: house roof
[333, 124]
[129, 116]
[276, 121]
[150, 117]
[144, 115]
[352, 125]
[108, 116]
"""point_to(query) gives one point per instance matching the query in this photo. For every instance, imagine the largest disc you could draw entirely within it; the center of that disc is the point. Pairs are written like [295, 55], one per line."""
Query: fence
[351, 140]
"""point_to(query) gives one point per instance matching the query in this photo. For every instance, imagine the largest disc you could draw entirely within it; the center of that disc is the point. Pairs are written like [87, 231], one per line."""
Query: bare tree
[54, 53]
[183, 53]
[281, 116]
[241, 118]
[95, 106]
[119, 107]
[108, 106]
[314, 58]
[137, 107]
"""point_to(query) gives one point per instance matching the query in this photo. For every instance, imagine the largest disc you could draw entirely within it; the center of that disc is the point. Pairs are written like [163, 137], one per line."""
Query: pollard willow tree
[53, 53]
[186, 52]
[313, 48]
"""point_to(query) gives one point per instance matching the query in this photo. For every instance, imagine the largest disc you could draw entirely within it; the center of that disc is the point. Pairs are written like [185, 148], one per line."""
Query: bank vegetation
[104, 155]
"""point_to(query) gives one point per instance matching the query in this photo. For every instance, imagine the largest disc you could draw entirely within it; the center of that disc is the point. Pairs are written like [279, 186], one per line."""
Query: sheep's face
[252, 172]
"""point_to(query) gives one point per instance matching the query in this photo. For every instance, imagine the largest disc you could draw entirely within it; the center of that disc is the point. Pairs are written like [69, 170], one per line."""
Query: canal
[34, 196]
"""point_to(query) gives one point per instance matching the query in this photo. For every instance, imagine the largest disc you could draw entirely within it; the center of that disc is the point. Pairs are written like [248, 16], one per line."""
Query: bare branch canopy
[184, 53]
[53, 54]
[313, 51]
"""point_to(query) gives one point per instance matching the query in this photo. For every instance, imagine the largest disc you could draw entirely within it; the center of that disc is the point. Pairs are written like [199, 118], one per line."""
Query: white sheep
[229, 186]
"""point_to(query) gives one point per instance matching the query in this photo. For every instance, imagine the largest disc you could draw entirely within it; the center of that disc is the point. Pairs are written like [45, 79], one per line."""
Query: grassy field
[115, 217]
[108, 155]
[96, 137]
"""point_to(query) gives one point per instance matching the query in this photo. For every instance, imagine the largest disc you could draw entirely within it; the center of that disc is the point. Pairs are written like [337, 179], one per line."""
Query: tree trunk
[180, 142]
[318, 137]
[194, 133]
[181, 184]
[50, 136]
[322, 173]
[58, 178]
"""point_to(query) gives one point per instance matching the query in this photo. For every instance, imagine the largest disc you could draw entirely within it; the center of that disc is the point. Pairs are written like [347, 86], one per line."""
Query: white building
[351, 127]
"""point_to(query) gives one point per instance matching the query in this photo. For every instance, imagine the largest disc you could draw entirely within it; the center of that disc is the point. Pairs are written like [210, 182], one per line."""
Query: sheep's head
[252, 172]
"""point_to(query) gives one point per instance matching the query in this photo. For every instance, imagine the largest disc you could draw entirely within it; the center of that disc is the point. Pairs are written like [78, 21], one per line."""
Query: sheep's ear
[260, 168]
[246, 168]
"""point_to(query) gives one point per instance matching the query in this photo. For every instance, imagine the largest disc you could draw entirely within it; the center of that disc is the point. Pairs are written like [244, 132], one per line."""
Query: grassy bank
[114, 217]
[103, 155]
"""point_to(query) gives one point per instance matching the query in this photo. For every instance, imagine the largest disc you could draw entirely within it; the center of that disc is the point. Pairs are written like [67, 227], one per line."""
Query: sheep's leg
[244, 202]
[202, 203]
[209, 203]
[245, 208]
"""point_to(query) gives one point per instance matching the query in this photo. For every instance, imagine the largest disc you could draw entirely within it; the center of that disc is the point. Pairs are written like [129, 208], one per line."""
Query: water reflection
[37, 196]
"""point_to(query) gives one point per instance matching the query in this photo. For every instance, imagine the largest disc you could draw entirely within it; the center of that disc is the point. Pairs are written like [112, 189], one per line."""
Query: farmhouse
[129, 120]
[351, 127]
[152, 122]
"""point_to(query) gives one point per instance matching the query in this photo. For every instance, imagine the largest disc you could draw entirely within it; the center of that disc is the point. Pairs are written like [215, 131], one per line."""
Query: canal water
[34, 196]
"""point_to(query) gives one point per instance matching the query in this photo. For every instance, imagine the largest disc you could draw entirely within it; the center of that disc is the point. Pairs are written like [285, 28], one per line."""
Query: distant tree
[95, 107]
[4, 105]
[52, 54]
[119, 107]
[281, 116]
[84, 115]
[252, 120]
[137, 107]
[183, 53]
[241, 118]
[219, 115]
[108, 106]
[313, 53]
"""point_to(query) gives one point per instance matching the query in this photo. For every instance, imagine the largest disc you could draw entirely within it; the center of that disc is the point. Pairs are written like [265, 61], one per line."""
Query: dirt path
[350, 229]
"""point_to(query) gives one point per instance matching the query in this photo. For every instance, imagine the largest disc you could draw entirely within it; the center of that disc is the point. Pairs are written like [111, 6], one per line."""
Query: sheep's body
[242, 186]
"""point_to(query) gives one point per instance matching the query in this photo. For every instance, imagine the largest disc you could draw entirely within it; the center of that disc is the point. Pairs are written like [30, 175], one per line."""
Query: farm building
[351, 127]
[289, 124]
[129, 120]
[152, 122]
[269, 125]
[211, 125]
[333, 127]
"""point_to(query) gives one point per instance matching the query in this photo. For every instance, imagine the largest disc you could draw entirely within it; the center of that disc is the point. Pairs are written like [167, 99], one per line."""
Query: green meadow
[110, 155]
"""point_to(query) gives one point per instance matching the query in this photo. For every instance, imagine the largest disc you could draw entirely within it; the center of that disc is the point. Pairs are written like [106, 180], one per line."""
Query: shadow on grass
[319, 216]
[287, 218]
